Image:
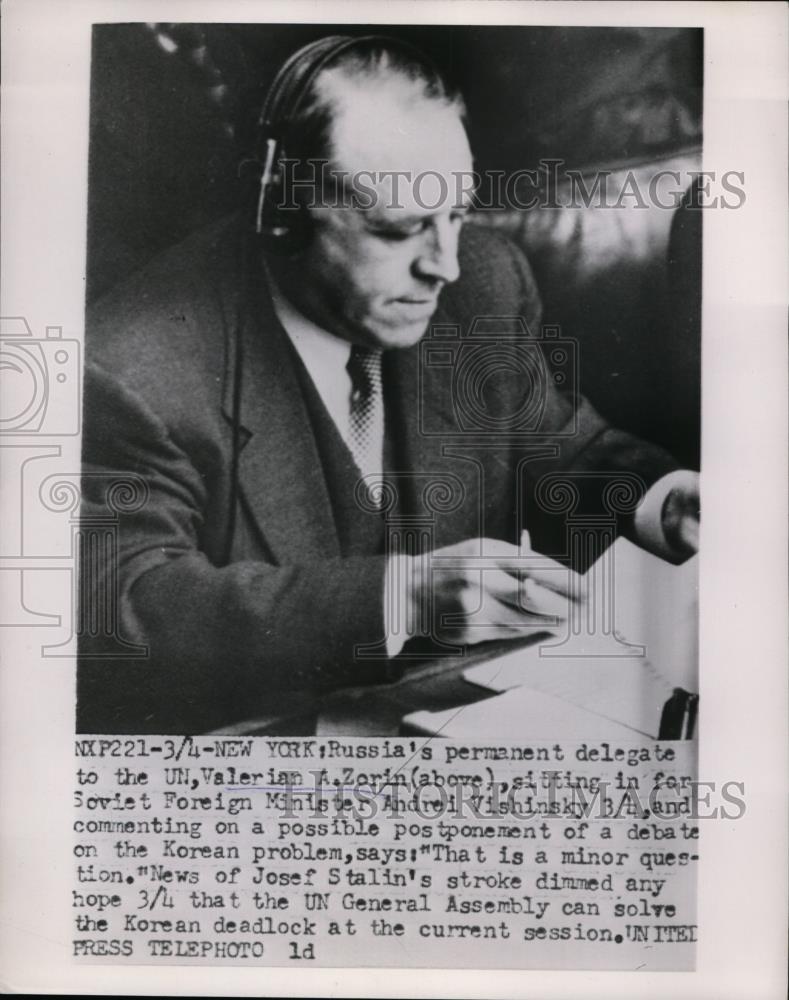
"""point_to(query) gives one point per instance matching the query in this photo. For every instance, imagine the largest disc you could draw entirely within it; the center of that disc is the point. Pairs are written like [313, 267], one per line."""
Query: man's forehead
[390, 127]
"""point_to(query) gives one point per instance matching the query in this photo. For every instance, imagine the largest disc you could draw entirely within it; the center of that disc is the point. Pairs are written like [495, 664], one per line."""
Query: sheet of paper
[519, 714]
[635, 642]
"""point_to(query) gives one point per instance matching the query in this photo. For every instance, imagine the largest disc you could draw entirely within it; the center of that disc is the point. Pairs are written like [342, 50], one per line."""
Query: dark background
[170, 106]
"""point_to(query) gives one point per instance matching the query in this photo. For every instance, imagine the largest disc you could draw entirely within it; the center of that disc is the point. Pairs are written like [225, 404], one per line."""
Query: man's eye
[397, 233]
[394, 234]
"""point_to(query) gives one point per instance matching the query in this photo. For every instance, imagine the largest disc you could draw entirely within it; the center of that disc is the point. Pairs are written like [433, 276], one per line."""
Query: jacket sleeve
[589, 453]
[222, 640]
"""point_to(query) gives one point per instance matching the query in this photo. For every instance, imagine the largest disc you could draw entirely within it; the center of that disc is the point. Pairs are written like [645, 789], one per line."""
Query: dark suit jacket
[287, 609]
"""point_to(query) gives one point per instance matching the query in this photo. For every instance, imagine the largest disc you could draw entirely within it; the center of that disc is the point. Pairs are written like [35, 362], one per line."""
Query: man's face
[372, 275]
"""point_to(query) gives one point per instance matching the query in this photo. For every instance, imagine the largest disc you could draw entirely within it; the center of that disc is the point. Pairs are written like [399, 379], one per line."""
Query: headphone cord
[238, 371]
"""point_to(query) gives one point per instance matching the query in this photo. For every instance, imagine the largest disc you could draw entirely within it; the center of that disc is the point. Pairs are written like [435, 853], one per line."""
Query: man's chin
[400, 337]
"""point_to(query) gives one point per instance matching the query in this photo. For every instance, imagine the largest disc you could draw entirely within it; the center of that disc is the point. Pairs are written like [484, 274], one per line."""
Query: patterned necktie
[366, 424]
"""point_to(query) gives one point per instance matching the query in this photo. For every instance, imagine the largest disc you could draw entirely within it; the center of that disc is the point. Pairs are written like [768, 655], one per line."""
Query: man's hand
[483, 589]
[680, 517]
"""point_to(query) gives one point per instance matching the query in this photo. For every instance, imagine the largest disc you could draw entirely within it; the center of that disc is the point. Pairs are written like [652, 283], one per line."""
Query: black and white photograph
[392, 365]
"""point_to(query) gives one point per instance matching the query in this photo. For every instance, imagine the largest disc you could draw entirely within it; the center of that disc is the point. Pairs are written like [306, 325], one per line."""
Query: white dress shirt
[325, 357]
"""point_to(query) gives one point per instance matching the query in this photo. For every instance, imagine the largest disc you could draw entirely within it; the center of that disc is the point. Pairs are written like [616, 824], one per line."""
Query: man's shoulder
[160, 338]
[495, 278]
[175, 303]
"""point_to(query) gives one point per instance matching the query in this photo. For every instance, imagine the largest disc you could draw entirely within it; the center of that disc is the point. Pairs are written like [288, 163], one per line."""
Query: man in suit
[312, 494]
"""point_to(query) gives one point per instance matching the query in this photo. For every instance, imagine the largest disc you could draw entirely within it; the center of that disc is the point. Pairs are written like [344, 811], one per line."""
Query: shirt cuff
[648, 518]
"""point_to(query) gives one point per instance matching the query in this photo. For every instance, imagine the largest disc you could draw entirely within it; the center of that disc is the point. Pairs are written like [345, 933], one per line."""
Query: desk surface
[378, 710]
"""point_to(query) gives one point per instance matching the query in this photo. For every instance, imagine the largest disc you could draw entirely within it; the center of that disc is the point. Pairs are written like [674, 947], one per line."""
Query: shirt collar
[319, 350]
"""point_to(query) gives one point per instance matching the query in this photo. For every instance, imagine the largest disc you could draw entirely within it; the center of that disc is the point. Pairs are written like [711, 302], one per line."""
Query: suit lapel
[280, 473]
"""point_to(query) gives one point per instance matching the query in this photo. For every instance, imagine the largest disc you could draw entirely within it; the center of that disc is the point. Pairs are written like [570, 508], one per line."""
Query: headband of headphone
[283, 102]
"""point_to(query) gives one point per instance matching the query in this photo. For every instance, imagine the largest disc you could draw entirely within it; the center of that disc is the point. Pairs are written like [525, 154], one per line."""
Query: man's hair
[368, 64]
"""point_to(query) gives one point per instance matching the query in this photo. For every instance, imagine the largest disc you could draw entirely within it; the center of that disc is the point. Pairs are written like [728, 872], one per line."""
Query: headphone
[286, 231]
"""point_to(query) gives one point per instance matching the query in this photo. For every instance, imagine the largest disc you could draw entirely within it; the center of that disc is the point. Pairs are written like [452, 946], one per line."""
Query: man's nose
[438, 256]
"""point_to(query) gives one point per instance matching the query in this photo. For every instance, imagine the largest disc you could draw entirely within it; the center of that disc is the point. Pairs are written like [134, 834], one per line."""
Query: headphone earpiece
[270, 165]
[281, 228]
[285, 229]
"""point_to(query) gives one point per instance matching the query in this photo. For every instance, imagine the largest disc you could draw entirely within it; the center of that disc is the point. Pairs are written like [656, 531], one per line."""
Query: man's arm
[666, 521]
[217, 634]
